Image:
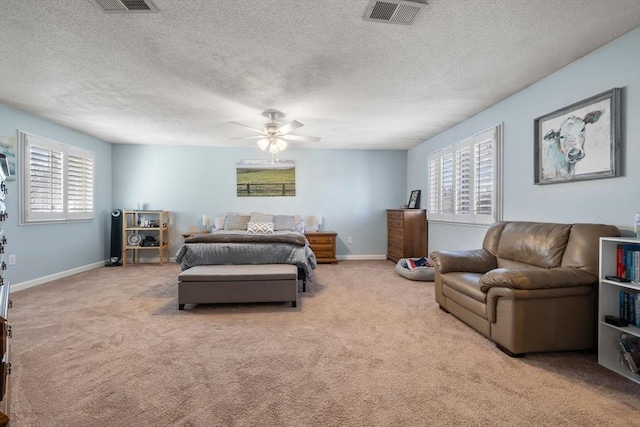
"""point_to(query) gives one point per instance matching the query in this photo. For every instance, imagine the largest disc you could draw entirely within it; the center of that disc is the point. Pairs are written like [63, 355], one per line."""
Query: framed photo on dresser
[414, 200]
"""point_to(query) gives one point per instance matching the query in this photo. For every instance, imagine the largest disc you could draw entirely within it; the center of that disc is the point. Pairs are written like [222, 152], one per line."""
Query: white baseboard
[41, 280]
[62, 274]
[361, 257]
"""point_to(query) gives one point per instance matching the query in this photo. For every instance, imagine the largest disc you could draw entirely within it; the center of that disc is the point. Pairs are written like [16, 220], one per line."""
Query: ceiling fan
[275, 136]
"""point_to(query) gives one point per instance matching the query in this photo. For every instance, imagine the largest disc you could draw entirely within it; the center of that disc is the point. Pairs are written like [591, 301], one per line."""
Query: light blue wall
[611, 201]
[43, 250]
[350, 189]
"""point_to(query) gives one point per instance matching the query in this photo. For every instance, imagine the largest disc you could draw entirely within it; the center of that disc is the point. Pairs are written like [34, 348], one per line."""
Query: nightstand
[323, 244]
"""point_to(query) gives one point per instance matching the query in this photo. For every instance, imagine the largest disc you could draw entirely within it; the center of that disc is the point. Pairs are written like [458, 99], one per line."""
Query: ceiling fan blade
[289, 127]
[301, 138]
[251, 137]
[249, 127]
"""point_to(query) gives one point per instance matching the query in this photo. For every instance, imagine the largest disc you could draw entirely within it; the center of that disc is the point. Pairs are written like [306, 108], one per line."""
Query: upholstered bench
[237, 284]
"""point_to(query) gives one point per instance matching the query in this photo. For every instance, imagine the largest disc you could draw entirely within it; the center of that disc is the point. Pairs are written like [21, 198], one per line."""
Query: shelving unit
[156, 224]
[609, 304]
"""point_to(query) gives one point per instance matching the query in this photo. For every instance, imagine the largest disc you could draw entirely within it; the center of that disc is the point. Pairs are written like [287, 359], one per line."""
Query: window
[56, 180]
[465, 180]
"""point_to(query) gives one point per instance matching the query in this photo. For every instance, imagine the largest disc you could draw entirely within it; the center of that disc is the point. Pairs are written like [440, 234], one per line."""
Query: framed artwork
[264, 178]
[8, 148]
[579, 142]
[414, 200]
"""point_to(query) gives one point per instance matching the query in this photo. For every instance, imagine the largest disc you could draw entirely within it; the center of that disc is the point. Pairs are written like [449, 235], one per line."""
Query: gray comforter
[244, 248]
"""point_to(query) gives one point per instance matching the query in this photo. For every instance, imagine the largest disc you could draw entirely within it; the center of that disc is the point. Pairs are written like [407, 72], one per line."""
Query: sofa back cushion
[492, 238]
[583, 246]
[537, 243]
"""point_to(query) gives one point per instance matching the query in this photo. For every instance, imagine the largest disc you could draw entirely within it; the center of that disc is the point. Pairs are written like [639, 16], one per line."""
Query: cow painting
[563, 148]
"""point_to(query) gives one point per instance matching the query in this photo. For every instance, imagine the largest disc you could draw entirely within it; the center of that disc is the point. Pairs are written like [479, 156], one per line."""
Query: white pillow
[218, 223]
[260, 228]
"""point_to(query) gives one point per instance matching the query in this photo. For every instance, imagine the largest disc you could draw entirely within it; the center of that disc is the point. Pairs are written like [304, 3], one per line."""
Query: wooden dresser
[5, 303]
[323, 244]
[406, 233]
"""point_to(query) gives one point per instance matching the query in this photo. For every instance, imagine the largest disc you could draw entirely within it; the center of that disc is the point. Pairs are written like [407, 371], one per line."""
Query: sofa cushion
[536, 278]
[467, 284]
[536, 243]
[583, 239]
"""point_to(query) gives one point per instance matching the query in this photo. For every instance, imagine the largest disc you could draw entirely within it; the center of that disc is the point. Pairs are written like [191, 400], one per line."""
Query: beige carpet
[364, 347]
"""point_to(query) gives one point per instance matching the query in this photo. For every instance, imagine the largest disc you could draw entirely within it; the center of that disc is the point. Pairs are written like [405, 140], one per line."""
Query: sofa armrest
[536, 278]
[472, 261]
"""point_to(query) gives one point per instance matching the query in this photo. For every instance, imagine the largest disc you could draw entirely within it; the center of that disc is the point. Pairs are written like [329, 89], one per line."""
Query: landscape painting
[265, 178]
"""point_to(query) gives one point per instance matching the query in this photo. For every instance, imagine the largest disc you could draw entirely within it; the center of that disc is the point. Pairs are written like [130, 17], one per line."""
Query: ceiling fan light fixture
[282, 144]
[263, 144]
[273, 148]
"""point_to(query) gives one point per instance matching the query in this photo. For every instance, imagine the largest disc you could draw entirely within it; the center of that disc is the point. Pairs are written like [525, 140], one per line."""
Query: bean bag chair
[420, 269]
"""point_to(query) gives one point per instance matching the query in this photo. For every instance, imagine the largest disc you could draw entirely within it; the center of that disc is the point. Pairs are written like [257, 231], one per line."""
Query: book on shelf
[630, 351]
[628, 261]
[630, 307]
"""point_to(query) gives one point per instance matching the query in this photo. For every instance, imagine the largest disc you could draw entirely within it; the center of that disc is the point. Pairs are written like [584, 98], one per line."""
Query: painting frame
[594, 122]
[265, 178]
[414, 200]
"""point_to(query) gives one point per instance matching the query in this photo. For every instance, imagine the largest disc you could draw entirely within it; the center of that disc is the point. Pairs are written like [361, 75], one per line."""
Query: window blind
[57, 180]
[464, 184]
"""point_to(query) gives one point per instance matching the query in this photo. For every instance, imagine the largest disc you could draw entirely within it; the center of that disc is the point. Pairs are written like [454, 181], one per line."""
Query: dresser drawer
[395, 223]
[397, 239]
[395, 214]
[316, 240]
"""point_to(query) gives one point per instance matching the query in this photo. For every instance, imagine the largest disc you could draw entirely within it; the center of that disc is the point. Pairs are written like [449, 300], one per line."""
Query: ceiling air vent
[126, 6]
[394, 11]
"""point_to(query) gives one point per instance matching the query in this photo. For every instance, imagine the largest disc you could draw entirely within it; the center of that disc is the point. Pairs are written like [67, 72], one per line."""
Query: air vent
[126, 6]
[394, 12]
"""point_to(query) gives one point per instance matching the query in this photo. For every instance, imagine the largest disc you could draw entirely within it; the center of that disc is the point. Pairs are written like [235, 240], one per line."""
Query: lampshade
[282, 144]
[312, 223]
[263, 143]
[273, 148]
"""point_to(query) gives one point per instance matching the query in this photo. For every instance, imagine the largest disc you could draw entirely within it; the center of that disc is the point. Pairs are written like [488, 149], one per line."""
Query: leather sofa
[531, 288]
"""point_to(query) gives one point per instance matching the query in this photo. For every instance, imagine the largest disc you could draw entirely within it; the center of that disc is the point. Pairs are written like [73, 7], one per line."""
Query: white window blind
[57, 180]
[464, 180]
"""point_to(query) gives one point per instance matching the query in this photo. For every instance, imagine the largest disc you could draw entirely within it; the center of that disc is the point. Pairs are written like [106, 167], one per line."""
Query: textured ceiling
[180, 75]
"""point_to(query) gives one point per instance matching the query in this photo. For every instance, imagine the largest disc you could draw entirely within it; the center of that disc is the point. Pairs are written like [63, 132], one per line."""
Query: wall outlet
[12, 259]
[349, 239]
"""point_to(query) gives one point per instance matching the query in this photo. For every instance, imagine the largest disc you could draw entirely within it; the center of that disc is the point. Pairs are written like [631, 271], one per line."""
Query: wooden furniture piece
[238, 284]
[609, 304]
[137, 226]
[323, 245]
[5, 304]
[406, 233]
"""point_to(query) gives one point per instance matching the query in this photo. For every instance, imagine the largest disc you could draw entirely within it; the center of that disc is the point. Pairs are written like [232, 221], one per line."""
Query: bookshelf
[609, 304]
[140, 225]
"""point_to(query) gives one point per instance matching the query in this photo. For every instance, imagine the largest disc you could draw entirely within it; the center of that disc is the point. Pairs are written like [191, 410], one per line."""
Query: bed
[251, 239]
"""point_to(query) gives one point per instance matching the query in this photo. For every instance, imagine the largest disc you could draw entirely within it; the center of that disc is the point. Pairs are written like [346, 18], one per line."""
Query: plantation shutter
[446, 177]
[56, 180]
[46, 180]
[484, 182]
[80, 187]
[464, 182]
[433, 205]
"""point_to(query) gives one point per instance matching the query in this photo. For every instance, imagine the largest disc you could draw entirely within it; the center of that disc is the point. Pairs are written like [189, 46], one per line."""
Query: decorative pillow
[300, 225]
[260, 227]
[219, 222]
[260, 217]
[284, 222]
[236, 222]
